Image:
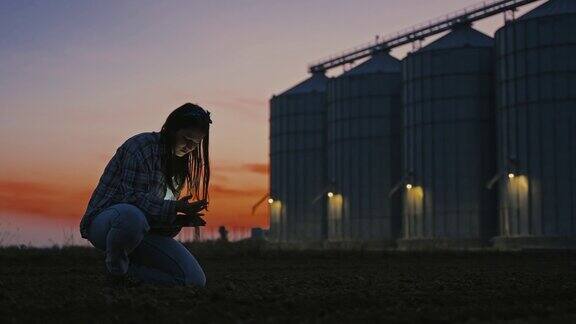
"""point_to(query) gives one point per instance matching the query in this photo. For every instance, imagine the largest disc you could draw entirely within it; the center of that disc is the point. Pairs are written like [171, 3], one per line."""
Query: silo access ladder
[419, 32]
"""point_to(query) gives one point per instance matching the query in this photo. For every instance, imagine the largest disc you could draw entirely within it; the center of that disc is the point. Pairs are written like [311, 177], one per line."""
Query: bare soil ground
[249, 284]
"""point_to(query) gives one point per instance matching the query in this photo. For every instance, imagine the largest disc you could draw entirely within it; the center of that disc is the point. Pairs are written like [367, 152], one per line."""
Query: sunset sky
[77, 78]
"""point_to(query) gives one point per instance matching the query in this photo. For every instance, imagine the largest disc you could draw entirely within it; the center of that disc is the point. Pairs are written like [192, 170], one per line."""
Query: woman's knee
[130, 219]
[195, 277]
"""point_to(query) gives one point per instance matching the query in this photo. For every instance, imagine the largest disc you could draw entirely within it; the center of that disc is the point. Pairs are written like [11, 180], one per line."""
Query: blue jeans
[121, 231]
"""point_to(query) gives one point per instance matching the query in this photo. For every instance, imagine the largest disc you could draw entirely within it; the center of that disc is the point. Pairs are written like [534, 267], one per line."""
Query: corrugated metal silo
[536, 122]
[297, 159]
[449, 153]
[364, 151]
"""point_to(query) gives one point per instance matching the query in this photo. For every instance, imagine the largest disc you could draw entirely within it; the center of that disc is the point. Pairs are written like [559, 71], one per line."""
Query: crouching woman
[133, 213]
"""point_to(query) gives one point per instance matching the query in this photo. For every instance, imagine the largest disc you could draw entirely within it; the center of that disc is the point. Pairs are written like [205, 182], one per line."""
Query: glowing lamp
[270, 200]
[330, 194]
[408, 186]
[510, 175]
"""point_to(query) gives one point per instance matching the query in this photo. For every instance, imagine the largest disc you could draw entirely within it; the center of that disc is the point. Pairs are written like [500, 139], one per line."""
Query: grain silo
[449, 154]
[536, 122]
[363, 152]
[297, 159]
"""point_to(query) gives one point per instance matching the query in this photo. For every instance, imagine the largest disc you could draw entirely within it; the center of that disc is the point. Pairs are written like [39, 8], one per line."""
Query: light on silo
[330, 194]
[408, 186]
[511, 175]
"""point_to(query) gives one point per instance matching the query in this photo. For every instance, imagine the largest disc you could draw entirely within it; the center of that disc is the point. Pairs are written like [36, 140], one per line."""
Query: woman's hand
[190, 220]
[183, 206]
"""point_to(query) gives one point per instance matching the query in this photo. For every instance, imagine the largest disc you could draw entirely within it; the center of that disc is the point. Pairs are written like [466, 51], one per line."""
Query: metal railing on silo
[418, 32]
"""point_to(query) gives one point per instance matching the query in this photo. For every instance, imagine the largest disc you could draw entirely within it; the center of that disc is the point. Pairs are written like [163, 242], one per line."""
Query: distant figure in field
[223, 233]
[133, 212]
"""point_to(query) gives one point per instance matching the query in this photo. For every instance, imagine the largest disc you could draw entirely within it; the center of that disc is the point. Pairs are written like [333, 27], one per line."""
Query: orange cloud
[219, 189]
[261, 168]
[225, 167]
[43, 199]
[8, 187]
[228, 206]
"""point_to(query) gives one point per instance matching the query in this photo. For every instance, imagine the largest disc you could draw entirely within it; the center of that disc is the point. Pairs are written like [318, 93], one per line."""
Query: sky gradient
[78, 78]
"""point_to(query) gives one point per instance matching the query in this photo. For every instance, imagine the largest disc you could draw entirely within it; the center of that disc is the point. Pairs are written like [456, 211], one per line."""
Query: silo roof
[315, 83]
[551, 8]
[380, 62]
[462, 36]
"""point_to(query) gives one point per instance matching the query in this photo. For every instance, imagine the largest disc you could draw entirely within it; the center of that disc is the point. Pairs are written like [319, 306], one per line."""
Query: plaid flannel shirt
[134, 176]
